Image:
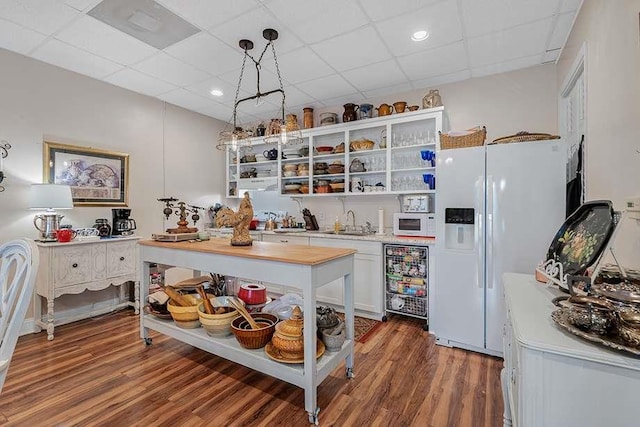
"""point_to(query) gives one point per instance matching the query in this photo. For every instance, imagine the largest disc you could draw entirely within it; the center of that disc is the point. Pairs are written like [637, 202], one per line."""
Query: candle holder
[181, 209]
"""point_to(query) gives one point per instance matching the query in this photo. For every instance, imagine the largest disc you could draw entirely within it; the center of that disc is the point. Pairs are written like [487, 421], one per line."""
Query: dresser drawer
[72, 265]
[121, 258]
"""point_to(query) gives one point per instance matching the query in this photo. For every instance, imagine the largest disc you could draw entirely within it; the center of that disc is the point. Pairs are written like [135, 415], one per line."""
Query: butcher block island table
[303, 267]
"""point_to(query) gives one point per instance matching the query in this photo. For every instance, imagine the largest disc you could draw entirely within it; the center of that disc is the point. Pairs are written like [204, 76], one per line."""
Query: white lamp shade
[50, 196]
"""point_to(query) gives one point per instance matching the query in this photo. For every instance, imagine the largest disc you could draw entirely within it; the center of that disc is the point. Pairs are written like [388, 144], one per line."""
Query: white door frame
[577, 71]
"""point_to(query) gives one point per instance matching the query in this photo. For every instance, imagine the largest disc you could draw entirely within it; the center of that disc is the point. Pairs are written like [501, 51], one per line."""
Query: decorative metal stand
[181, 209]
[4, 152]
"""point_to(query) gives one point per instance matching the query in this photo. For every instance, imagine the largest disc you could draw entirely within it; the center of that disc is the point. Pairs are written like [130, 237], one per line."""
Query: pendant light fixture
[279, 131]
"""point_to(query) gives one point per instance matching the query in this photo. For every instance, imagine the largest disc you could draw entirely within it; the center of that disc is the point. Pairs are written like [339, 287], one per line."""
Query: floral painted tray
[583, 237]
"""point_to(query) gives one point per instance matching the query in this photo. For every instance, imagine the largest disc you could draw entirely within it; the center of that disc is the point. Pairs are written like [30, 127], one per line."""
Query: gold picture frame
[97, 177]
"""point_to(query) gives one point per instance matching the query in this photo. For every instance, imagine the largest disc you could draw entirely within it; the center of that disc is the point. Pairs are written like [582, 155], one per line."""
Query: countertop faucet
[354, 218]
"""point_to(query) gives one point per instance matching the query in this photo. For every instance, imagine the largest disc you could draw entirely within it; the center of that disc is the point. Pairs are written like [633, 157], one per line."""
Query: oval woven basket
[524, 137]
[473, 139]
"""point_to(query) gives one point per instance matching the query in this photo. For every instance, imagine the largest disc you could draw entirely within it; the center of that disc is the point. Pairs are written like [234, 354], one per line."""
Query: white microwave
[414, 224]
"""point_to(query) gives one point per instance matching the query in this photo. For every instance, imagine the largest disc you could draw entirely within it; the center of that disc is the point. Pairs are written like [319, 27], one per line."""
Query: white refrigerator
[497, 210]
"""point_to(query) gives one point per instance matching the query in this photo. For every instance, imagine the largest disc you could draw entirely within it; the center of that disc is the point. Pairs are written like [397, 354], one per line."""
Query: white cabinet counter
[78, 266]
[552, 378]
[304, 267]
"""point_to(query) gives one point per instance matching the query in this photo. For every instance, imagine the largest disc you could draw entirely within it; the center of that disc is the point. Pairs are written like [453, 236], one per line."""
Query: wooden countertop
[294, 254]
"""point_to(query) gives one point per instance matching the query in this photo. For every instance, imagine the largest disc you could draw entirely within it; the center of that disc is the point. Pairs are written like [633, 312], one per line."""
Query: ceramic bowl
[324, 150]
[185, 317]
[218, 325]
[289, 174]
[290, 167]
[254, 338]
[333, 342]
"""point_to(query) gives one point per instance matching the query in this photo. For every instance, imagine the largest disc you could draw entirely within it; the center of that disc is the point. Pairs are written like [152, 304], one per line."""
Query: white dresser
[78, 266]
[553, 378]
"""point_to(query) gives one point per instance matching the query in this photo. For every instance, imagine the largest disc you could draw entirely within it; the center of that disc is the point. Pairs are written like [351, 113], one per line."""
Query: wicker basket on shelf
[474, 139]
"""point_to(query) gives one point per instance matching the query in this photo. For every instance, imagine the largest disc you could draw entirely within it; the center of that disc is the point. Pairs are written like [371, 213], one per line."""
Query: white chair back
[18, 269]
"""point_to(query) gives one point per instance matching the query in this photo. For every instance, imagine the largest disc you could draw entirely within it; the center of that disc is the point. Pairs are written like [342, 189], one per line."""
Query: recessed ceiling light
[418, 36]
[216, 92]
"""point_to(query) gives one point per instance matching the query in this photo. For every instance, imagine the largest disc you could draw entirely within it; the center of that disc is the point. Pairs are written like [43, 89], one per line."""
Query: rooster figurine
[239, 221]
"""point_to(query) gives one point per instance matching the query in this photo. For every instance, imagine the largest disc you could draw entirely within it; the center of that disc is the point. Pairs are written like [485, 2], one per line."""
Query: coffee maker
[122, 224]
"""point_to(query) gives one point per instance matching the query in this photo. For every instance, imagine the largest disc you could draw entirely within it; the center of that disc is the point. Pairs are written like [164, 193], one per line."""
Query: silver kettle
[271, 222]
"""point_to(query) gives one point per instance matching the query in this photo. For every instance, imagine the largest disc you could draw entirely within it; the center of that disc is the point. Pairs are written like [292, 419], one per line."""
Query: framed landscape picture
[97, 177]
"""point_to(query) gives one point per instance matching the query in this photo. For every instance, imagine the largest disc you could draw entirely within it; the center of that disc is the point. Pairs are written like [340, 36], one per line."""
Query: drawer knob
[284, 241]
[75, 265]
[121, 258]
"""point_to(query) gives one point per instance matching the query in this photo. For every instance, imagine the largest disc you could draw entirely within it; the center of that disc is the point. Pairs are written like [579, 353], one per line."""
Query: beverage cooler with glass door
[406, 280]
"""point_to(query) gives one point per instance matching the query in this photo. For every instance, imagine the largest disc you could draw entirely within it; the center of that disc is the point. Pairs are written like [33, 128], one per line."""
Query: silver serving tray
[561, 319]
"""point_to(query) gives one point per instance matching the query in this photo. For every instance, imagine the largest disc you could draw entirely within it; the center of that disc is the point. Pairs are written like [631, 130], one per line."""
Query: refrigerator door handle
[479, 230]
[490, 198]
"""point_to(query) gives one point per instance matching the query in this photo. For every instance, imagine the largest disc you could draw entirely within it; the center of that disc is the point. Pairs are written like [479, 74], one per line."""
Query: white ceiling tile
[299, 66]
[139, 82]
[204, 88]
[435, 62]
[506, 66]
[318, 20]
[353, 50]
[378, 10]
[219, 111]
[524, 40]
[43, 16]
[71, 58]
[487, 16]
[268, 81]
[387, 90]
[295, 96]
[207, 53]
[82, 5]
[170, 70]
[249, 26]
[354, 98]
[207, 13]
[386, 73]
[184, 98]
[103, 40]
[265, 109]
[442, 79]
[570, 5]
[550, 56]
[326, 87]
[440, 20]
[561, 30]
[18, 39]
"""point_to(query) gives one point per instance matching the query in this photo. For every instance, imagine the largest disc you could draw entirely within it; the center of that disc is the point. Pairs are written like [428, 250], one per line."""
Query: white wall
[612, 70]
[505, 103]
[172, 151]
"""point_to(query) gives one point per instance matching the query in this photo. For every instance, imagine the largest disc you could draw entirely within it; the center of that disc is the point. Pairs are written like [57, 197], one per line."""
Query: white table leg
[50, 318]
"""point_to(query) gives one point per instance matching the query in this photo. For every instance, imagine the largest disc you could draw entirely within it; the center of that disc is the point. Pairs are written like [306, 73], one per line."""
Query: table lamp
[49, 197]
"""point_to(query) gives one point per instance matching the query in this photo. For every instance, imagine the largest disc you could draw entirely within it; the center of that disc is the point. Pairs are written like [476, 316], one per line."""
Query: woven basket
[524, 137]
[474, 139]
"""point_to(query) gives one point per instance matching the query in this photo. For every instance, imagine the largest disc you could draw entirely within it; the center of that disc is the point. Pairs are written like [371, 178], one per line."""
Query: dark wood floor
[99, 372]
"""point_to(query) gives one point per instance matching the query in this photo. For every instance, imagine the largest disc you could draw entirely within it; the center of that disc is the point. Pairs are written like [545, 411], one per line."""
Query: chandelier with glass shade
[279, 131]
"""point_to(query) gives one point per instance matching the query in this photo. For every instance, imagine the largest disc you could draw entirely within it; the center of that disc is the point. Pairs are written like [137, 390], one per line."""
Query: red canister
[252, 293]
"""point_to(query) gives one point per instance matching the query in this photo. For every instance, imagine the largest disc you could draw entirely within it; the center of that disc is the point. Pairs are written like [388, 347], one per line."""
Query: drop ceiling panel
[442, 79]
[483, 17]
[63, 55]
[44, 16]
[560, 31]
[440, 20]
[184, 98]
[301, 65]
[249, 26]
[139, 82]
[207, 13]
[17, 38]
[220, 111]
[206, 53]
[318, 20]
[353, 50]
[506, 66]
[387, 90]
[551, 56]
[82, 5]
[171, 70]
[518, 42]
[204, 88]
[386, 73]
[268, 81]
[354, 98]
[434, 62]
[327, 87]
[296, 97]
[570, 5]
[379, 10]
[103, 40]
